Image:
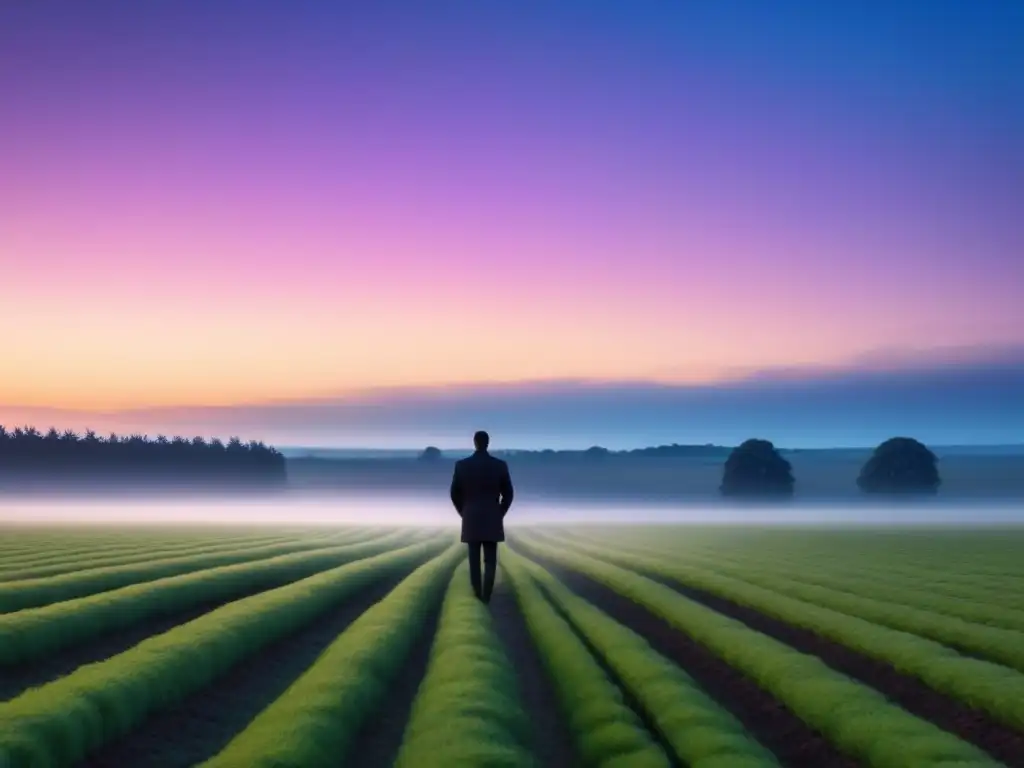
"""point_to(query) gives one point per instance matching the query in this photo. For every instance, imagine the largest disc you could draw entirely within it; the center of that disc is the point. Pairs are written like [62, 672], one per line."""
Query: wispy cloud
[953, 395]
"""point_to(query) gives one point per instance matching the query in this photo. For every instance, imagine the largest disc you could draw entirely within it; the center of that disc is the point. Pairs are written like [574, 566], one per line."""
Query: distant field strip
[855, 718]
[46, 557]
[984, 600]
[606, 732]
[982, 629]
[60, 723]
[142, 554]
[950, 573]
[467, 711]
[32, 593]
[36, 632]
[316, 721]
[991, 687]
[700, 731]
[814, 585]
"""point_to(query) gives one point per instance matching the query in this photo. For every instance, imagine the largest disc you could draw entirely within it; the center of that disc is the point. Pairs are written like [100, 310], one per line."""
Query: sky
[209, 208]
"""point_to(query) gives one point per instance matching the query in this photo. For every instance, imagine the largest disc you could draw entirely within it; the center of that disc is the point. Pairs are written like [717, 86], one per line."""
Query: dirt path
[794, 743]
[202, 725]
[913, 695]
[552, 741]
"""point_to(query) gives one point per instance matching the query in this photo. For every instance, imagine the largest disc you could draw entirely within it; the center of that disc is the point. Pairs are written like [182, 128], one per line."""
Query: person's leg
[474, 566]
[490, 568]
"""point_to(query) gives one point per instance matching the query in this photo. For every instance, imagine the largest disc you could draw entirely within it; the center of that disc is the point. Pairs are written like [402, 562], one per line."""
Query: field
[618, 647]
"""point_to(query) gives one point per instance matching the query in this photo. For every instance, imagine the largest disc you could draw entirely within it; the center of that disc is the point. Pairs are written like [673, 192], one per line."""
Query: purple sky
[229, 203]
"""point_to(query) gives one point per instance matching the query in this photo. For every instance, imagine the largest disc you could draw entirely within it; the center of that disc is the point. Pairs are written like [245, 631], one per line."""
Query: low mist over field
[409, 510]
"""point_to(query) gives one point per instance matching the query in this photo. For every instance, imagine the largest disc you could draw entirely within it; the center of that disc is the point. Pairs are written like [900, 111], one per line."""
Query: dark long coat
[482, 494]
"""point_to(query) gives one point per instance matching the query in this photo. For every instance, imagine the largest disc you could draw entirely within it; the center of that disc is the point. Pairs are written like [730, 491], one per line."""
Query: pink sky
[186, 225]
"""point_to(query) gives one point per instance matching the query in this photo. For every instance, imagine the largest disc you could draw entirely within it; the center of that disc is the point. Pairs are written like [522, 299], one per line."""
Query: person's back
[481, 492]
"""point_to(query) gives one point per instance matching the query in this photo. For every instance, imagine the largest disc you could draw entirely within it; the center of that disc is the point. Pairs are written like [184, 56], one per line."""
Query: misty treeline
[26, 451]
[756, 468]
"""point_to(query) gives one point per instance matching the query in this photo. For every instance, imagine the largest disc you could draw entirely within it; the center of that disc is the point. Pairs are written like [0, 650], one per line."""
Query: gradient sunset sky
[227, 203]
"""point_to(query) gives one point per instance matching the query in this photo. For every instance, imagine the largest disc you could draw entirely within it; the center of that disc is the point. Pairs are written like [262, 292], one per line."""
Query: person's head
[481, 440]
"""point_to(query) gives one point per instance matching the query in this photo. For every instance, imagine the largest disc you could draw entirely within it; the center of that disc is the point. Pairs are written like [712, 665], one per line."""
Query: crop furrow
[33, 593]
[698, 730]
[317, 721]
[39, 632]
[857, 719]
[62, 722]
[605, 730]
[467, 711]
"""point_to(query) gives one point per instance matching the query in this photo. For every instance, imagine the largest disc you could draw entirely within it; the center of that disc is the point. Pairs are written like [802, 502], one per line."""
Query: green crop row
[857, 719]
[37, 632]
[32, 593]
[605, 731]
[700, 732]
[959, 577]
[984, 629]
[46, 556]
[142, 554]
[315, 722]
[467, 711]
[59, 723]
[954, 610]
[981, 684]
[991, 592]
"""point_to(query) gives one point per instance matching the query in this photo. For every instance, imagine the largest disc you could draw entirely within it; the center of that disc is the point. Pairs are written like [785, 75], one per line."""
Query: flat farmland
[602, 646]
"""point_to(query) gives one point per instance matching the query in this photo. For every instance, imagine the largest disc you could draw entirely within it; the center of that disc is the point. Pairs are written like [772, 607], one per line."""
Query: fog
[399, 510]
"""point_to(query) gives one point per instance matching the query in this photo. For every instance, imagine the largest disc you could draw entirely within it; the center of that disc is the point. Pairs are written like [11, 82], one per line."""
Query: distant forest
[672, 451]
[28, 456]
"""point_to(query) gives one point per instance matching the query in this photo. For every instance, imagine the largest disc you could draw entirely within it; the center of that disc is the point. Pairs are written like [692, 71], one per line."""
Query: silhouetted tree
[900, 465]
[430, 453]
[756, 469]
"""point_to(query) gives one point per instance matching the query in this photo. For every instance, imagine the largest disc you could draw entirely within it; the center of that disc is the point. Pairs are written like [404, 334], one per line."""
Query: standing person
[482, 494]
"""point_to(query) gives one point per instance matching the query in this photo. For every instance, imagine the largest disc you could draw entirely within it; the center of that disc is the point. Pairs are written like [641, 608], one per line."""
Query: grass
[467, 711]
[205, 612]
[993, 688]
[316, 721]
[60, 723]
[700, 732]
[35, 633]
[857, 719]
[32, 593]
[606, 731]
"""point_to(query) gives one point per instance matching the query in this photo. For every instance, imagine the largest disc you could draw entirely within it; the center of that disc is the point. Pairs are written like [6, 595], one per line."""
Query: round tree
[900, 465]
[756, 469]
[430, 453]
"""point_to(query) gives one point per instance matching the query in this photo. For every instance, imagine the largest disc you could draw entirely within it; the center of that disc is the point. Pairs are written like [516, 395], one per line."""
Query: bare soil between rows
[972, 725]
[552, 740]
[379, 742]
[794, 743]
[199, 727]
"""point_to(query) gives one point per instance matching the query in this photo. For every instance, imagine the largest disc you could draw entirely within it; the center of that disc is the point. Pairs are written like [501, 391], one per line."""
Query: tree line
[25, 451]
[757, 469]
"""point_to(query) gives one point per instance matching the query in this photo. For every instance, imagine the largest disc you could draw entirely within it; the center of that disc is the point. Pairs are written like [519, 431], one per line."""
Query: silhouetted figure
[482, 494]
